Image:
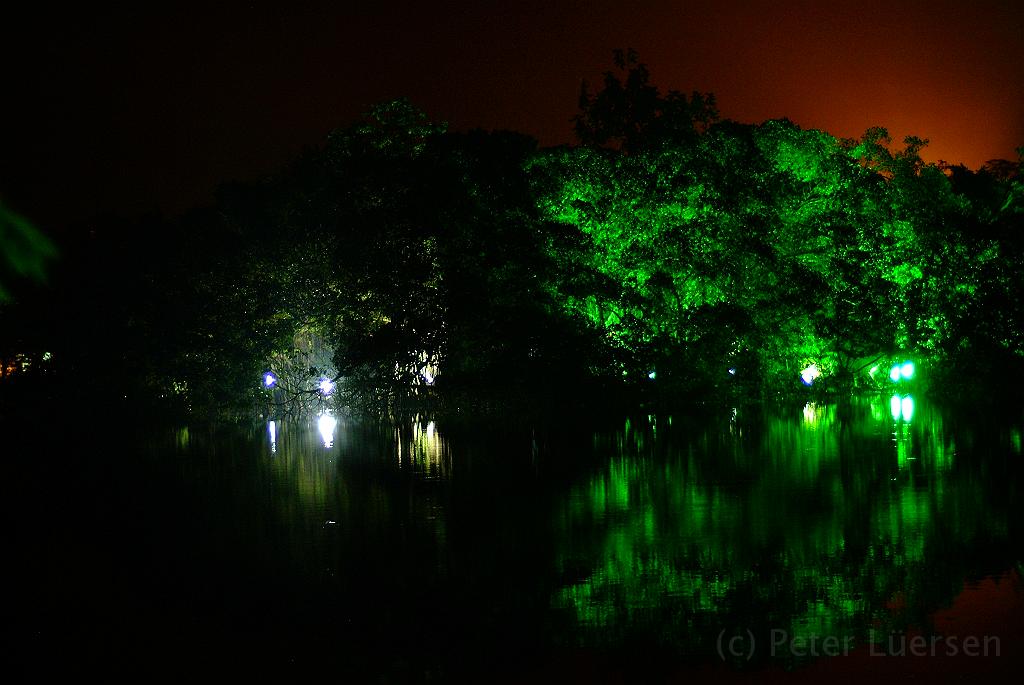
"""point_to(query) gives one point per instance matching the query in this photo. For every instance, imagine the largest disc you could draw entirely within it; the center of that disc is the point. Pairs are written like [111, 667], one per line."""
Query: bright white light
[907, 370]
[327, 423]
[732, 371]
[272, 429]
[809, 374]
[652, 375]
[895, 407]
[269, 380]
[907, 408]
[428, 370]
[894, 373]
[326, 386]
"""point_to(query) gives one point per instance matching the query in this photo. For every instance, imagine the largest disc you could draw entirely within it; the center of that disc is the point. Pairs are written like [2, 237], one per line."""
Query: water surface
[430, 551]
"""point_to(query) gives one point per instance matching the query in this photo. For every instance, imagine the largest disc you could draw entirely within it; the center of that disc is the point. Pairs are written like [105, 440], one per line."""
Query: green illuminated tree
[24, 251]
[744, 246]
[670, 252]
[702, 246]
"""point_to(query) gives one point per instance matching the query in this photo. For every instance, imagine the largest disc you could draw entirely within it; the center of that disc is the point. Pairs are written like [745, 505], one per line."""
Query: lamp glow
[652, 375]
[894, 373]
[269, 380]
[907, 370]
[326, 386]
[809, 374]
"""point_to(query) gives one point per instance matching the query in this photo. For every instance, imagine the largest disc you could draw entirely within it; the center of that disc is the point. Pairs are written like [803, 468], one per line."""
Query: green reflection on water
[848, 519]
[823, 523]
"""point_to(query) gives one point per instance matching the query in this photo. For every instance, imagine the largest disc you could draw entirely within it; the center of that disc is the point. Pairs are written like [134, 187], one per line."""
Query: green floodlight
[904, 371]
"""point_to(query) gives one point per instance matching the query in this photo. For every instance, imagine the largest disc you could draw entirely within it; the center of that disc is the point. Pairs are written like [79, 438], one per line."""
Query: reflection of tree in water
[421, 449]
[333, 480]
[843, 521]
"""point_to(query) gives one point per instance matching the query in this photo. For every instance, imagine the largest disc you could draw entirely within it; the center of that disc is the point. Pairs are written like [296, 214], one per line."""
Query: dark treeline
[670, 254]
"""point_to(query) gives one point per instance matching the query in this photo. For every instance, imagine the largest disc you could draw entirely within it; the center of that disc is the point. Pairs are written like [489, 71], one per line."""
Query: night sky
[146, 109]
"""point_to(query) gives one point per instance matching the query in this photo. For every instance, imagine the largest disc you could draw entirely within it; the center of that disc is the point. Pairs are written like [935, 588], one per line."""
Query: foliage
[24, 250]
[670, 252]
[751, 251]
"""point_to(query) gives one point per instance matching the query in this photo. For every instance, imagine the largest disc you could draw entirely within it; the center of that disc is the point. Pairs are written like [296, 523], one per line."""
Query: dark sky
[147, 106]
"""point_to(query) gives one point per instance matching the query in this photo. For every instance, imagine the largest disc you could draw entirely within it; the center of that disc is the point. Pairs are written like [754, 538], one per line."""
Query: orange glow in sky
[150, 107]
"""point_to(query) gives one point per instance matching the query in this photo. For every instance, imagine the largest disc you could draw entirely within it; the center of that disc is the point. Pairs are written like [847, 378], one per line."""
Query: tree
[629, 113]
[24, 251]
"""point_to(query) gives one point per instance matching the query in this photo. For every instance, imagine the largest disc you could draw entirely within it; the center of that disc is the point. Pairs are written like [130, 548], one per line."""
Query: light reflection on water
[813, 520]
[326, 425]
[816, 524]
[423, 450]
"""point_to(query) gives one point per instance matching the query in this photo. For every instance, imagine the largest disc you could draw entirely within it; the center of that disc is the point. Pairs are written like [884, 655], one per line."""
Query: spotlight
[809, 374]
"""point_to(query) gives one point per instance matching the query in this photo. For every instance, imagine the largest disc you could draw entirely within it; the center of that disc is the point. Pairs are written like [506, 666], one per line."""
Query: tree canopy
[669, 251]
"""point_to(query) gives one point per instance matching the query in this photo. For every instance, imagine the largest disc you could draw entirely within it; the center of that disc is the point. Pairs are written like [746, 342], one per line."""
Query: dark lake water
[645, 549]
